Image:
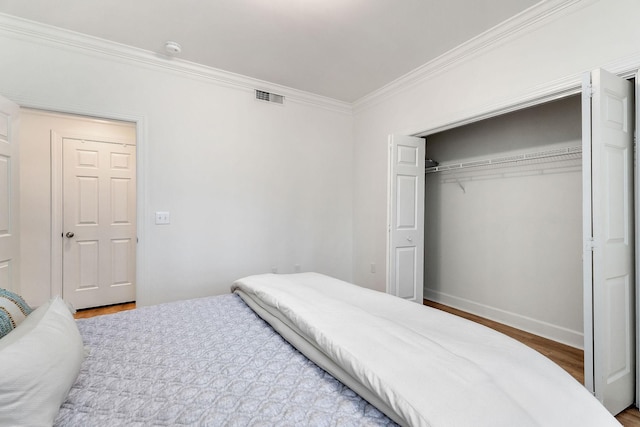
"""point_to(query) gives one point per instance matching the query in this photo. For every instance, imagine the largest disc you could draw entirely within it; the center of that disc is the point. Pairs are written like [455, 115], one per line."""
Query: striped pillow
[13, 310]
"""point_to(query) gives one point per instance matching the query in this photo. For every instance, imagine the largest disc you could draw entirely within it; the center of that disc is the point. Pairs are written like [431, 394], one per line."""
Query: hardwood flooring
[569, 358]
[109, 309]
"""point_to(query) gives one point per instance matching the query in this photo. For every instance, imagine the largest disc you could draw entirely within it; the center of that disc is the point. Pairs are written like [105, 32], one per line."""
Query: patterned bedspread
[204, 362]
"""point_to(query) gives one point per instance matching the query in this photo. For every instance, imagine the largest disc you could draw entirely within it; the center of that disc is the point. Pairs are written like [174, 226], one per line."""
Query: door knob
[409, 239]
[69, 234]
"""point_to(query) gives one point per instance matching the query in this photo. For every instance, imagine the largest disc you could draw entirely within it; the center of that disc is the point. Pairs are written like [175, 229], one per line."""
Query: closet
[503, 219]
[530, 220]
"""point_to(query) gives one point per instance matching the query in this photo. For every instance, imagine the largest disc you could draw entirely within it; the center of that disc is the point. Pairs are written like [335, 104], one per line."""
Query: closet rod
[555, 155]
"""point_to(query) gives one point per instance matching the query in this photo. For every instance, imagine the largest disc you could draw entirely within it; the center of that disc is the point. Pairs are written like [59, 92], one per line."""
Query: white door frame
[57, 201]
[141, 161]
[636, 207]
[587, 263]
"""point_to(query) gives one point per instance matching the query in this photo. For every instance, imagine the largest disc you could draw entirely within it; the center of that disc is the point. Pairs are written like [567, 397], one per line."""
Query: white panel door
[99, 225]
[406, 217]
[609, 246]
[9, 196]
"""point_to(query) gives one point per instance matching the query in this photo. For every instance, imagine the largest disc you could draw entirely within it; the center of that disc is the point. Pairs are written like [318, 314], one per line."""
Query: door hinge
[589, 91]
[589, 244]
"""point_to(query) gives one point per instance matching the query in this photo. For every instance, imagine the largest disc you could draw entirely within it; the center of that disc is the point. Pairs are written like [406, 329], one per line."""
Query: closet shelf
[559, 154]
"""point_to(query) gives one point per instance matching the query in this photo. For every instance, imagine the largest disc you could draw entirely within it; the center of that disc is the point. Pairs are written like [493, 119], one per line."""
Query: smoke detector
[172, 48]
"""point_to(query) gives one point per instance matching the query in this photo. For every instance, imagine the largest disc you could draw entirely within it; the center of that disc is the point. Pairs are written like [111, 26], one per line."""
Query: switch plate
[163, 218]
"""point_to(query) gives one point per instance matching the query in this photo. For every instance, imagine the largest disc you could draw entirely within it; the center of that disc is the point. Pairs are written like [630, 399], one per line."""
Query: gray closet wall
[505, 241]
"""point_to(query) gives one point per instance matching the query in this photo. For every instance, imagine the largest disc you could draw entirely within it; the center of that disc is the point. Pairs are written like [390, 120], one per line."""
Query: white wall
[508, 238]
[544, 56]
[249, 185]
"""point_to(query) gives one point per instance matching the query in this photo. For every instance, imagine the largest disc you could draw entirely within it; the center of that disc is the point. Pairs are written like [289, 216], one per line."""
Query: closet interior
[503, 219]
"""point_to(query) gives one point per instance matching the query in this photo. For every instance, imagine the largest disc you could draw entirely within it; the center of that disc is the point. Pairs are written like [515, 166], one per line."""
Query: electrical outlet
[297, 268]
[163, 218]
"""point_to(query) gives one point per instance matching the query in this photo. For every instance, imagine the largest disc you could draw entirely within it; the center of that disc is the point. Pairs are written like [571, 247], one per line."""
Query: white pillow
[40, 360]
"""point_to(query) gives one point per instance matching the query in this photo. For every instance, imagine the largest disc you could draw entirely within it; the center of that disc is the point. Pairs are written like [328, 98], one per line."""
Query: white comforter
[428, 368]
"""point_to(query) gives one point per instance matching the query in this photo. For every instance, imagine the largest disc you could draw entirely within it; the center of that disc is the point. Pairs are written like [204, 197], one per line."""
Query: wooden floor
[569, 358]
[109, 309]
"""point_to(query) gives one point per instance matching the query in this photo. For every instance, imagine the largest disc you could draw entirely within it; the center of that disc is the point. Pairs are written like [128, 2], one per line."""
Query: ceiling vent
[269, 97]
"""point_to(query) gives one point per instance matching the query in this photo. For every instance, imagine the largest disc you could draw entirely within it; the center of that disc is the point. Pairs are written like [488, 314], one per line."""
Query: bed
[282, 350]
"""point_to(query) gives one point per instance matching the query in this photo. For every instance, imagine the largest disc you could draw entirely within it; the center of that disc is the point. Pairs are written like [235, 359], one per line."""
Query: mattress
[203, 362]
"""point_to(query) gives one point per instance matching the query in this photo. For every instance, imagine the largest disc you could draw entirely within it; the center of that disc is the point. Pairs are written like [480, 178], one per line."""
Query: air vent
[269, 97]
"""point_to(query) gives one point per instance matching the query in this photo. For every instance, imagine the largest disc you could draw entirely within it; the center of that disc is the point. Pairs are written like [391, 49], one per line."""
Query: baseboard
[534, 326]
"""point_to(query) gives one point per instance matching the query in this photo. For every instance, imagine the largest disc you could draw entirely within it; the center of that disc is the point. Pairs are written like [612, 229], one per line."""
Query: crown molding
[18, 28]
[569, 85]
[526, 21]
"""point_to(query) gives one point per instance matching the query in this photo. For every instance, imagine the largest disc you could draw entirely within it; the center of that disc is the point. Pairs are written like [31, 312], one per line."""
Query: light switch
[163, 218]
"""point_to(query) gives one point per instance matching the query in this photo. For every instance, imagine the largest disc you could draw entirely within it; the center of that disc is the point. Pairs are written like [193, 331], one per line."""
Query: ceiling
[342, 49]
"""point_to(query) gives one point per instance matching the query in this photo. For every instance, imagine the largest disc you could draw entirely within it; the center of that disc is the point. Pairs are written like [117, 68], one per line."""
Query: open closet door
[9, 192]
[608, 127]
[406, 217]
